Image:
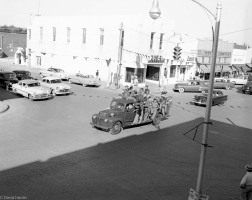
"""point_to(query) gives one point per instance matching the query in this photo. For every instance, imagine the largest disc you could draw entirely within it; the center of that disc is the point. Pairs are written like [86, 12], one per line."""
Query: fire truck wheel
[116, 128]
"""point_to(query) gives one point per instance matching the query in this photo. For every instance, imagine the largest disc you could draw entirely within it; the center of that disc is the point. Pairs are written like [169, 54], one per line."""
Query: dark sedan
[7, 79]
[23, 74]
[217, 98]
[190, 86]
[247, 88]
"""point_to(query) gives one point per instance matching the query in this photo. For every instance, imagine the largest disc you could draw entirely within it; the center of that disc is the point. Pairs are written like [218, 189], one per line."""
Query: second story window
[54, 33]
[101, 36]
[84, 35]
[68, 34]
[29, 34]
[41, 33]
[161, 40]
[152, 40]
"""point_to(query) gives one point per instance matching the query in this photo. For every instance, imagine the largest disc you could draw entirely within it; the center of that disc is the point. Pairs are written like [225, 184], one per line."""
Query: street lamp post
[155, 13]
[120, 48]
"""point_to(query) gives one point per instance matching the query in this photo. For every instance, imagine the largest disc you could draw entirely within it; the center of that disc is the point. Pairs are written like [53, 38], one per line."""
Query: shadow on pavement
[156, 165]
[5, 95]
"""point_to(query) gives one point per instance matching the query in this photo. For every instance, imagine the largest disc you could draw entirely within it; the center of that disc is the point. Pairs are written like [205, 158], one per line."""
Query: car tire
[69, 80]
[243, 92]
[157, 119]
[30, 97]
[15, 91]
[6, 86]
[233, 82]
[181, 90]
[53, 92]
[116, 129]
[84, 85]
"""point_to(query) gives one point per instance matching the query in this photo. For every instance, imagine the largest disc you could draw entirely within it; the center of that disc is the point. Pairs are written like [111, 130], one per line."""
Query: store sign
[209, 53]
[238, 60]
[156, 59]
[190, 59]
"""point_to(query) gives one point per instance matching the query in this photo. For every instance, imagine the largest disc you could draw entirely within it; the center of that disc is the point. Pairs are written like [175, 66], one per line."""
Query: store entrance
[152, 73]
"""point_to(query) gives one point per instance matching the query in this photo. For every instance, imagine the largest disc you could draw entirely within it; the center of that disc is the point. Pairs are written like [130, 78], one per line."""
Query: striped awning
[237, 67]
[205, 68]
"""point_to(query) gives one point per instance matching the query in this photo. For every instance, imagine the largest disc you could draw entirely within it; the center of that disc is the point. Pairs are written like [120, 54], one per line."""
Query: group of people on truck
[146, 105]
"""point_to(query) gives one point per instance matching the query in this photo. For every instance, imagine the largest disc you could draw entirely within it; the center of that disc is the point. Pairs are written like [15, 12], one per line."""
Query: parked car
[123, 113]
[7, 79]
[31, 89]
[247, 88]
[56, 72]
[217, 98]
[85, 80]
[239, 80]
[190, 86]
[222, 83]
[55, 85]
[23, 74]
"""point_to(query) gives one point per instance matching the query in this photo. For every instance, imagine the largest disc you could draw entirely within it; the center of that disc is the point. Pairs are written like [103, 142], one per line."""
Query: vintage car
[221, 83]
[247, 88]
[31, 89]
[55, 85]
[123, 113]
[7, 79]
[190, 86]
[59, 73]
[23, 74]
[241, 80]
[85, 80]
[217, 98]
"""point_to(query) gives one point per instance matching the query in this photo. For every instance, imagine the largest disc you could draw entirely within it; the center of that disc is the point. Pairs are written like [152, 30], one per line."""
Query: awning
[218, 68]
[226, 68]
[249, 65]
[246, 68]
[205, 68]
[238, 67]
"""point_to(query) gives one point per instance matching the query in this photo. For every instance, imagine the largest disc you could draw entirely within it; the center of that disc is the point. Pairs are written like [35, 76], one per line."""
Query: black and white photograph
[126, 100]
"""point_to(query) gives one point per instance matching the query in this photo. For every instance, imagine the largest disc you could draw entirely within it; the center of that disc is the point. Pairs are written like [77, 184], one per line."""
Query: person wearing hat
[246, 184]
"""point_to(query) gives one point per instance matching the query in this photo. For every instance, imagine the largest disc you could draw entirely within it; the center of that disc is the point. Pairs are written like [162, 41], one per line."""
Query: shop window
[173, 71]
[152, 73]
[38, 60]
[131, 71]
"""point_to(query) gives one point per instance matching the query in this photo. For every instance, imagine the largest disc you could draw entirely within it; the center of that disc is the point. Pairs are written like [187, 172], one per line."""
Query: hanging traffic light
[177, 53]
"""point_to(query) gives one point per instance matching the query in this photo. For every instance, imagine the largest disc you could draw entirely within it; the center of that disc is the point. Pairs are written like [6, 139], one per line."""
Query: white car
[239, 80]
[55, 72]
[55, 85]
[85, 80]
[31, 89]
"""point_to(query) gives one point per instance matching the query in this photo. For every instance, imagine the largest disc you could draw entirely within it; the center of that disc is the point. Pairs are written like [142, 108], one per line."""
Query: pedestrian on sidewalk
[97, 75]
[246, 184]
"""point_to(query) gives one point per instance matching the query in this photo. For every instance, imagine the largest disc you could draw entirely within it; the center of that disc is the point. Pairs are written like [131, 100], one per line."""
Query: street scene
[131, 102]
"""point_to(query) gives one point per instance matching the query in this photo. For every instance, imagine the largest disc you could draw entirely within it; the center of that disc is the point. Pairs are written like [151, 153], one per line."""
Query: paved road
[50, 151]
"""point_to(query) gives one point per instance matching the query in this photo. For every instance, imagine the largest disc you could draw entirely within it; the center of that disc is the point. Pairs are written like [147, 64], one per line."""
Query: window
[101, 36]
[54, 33]
[38, 59]
[152, 39]
[68, 34]
[41, 33]
[172, 71]
[29, 34]
[84, 35]
[161, 40]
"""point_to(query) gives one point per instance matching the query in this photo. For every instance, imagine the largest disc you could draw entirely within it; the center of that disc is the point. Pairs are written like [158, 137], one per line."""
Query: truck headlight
[105, 120]
[94, 117]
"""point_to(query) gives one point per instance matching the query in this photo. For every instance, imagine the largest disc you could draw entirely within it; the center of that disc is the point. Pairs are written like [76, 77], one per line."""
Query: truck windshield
[116, 106]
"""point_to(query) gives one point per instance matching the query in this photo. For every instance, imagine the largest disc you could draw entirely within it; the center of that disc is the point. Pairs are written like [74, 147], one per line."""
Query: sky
[189, 18]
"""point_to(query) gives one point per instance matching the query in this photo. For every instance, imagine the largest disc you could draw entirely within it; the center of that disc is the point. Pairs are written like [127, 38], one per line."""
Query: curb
[3, 107]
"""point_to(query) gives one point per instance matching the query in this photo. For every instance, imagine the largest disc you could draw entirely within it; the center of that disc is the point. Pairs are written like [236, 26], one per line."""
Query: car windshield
[116, 106]
[56, 81]
[33, 84]
[59, 70]
[24, 74]
[9, 75]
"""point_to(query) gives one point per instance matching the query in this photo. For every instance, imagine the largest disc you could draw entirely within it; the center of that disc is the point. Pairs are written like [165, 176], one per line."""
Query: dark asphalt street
[50, 151]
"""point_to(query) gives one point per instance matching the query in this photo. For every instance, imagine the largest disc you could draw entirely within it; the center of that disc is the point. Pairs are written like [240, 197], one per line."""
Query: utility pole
[120, 48]
[209, 103]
